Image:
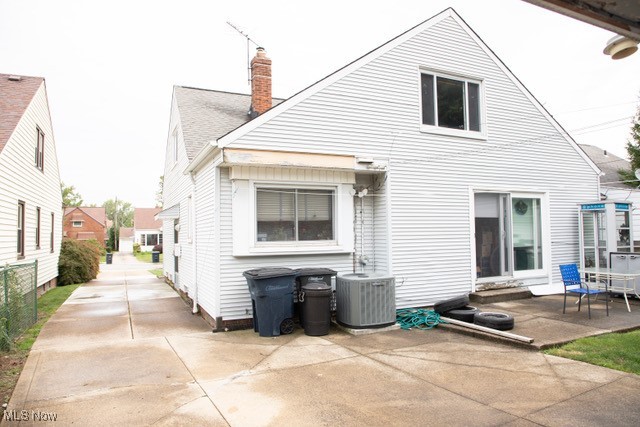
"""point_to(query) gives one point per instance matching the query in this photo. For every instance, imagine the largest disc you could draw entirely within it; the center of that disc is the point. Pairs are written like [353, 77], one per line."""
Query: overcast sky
[110, 67]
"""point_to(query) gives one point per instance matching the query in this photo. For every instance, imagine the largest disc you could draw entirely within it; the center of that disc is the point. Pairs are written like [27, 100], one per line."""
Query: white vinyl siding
[374, 110]
[22, 180]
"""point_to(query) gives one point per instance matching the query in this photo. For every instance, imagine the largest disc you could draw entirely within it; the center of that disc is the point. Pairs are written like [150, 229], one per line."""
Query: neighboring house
[426, 159]
[611, 186]
[30, 196]
[86, 223]
[126, 239]
[147, 229]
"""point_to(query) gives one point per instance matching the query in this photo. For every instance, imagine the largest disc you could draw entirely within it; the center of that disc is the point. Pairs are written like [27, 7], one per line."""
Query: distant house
[147, 229]
[86, 223]
[611, 185]
[30, 196]
[425, 159]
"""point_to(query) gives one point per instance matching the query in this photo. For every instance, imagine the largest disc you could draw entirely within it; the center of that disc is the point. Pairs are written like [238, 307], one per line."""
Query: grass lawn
[145, 256]
[157, 272]
[11, 362]
[618, 351]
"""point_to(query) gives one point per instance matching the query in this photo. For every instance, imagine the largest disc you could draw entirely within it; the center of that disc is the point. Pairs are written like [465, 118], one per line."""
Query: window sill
[292, 250]
[453, 132]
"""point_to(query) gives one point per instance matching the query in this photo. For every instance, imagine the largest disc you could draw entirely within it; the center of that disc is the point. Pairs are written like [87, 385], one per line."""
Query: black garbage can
[271, 290]
[109, 257]
[155, 256]
[315, 298]
[315, 275]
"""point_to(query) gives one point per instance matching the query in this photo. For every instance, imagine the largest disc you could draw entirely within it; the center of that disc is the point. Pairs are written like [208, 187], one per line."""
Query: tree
[633, 149]
[70, 196]
[124, 212]
[159, 192]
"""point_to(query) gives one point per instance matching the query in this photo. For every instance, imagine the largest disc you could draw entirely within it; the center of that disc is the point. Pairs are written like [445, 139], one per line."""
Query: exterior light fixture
[620, 47]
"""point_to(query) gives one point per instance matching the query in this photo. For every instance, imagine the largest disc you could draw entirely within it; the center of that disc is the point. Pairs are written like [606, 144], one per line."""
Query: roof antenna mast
[248, 49]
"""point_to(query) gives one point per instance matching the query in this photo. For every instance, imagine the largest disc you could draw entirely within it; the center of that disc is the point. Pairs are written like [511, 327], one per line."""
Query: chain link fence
[18, 299]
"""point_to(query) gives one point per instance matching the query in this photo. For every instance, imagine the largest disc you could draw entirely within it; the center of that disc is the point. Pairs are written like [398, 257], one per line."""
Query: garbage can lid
[316, 286]
[269, 272]
[316, 272]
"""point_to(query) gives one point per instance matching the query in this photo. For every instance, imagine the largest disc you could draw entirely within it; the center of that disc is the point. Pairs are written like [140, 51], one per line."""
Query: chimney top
[260, 83]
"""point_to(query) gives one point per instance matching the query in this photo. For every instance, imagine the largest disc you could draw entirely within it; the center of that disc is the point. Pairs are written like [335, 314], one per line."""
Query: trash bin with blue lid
[271, 290]
[155, 256]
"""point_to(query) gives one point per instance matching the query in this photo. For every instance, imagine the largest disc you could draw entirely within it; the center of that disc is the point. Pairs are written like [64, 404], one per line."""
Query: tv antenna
[248, 49]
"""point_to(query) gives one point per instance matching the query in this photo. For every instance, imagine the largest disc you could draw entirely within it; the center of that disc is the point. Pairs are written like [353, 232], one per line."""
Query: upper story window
[20, 229]
[40, 150]
[76, 223]
[451, 105]
[290, 214]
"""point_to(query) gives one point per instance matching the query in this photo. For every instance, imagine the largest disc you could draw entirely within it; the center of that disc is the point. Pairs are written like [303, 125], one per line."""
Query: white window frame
[482, 134]
[75, 224]
[245, 222]
[545, 219]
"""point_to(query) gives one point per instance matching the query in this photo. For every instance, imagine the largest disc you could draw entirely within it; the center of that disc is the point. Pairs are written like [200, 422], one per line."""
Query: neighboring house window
[20, 229]
[152, 239]
[143, 239]
[37, 228]
[76, 223]
[450, 102]
[51, 237]
[160, 239]
[40, 150]
[509, 234]
[290, 215]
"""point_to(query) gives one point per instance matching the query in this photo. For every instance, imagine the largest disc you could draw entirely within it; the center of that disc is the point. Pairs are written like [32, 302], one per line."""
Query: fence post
[6, 286]
[35, 292]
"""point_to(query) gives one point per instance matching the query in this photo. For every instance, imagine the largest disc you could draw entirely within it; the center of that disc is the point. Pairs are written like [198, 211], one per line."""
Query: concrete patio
[126, 350]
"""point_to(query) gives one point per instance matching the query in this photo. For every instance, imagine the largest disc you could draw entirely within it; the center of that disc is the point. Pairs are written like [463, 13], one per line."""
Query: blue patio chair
[575, 285]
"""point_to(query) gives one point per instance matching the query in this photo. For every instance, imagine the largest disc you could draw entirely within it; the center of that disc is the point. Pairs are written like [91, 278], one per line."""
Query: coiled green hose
[418, 318]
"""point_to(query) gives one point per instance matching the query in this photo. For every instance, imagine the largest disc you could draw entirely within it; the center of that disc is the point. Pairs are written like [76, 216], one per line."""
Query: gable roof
[229, 138]
[608, 163]
[97, 213]
[15, 97]
[126, 232]
[206, 115]
[143, 219]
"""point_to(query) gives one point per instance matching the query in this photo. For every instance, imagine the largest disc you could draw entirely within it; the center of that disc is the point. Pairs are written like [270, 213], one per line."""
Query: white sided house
[30, 197]
[146, 228]
[425, 159]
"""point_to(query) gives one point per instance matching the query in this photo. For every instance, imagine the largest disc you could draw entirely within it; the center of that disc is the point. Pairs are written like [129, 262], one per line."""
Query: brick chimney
[260, 83]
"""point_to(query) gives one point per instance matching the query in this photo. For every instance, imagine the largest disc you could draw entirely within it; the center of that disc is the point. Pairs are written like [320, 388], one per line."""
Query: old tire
[494, 320]
[451, 304]
[464, 314]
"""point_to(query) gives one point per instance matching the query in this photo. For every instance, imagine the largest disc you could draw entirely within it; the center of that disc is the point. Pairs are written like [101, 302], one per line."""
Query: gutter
[206, 151]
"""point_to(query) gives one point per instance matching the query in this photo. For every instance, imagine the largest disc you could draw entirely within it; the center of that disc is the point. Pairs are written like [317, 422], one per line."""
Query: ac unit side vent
[365, 300]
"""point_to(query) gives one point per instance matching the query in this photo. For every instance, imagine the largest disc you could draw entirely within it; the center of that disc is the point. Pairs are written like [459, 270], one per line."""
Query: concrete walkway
[125, 350]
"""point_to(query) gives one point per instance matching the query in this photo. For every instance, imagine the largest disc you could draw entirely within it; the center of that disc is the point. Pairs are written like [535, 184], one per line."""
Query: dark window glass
[450, 103]
[37, 228]
[152, 239]
[428, 108]
[40, 150]
[53, 218]
[315, 215]
[20, 228]
[474, 106]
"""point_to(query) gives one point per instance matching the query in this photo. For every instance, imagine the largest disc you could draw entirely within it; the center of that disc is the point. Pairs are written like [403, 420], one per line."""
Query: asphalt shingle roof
[207, 115]
[608, 163]
[15, 97]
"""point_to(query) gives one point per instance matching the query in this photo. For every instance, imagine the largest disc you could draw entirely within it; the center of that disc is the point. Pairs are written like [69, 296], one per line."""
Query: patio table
[614, 281]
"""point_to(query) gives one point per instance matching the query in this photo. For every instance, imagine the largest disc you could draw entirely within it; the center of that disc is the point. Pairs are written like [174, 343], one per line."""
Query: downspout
[194, 238]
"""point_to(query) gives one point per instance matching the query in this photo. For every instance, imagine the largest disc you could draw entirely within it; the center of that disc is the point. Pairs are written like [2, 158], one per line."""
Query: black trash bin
[271, 291]
[315, 298]
[109, 257]
[314, 275]
[155, 256]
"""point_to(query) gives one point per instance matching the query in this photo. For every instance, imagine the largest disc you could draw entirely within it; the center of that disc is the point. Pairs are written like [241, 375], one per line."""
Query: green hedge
[79, 261]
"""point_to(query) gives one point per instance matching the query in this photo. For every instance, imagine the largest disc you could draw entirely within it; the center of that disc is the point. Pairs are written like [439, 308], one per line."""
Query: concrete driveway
[125, 350]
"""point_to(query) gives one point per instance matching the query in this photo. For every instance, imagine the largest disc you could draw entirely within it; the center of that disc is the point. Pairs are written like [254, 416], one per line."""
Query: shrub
[136, 248]
[157, 248]
[98, 246]
[79, 262]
